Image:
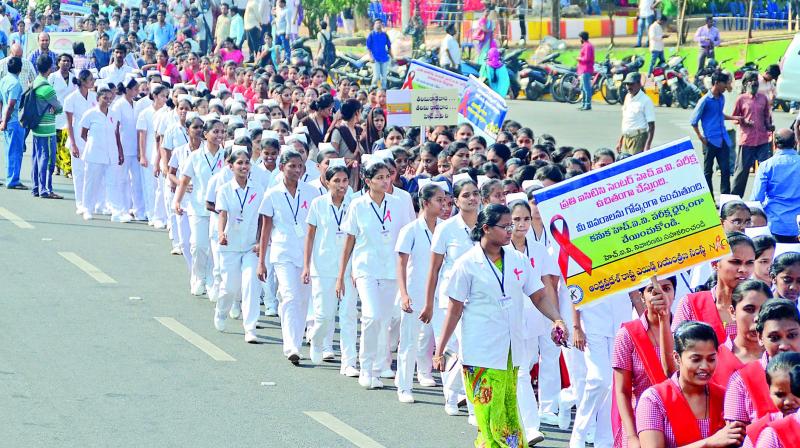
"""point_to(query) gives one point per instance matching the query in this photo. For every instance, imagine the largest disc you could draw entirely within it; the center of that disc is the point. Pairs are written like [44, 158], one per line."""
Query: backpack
[29, 113]
[328, 51]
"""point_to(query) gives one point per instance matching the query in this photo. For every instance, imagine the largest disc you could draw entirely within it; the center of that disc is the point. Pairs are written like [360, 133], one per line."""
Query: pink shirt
[685, 312]
[755, 109]
[586, 59]
[232, 55]
[738, 404]
[651, 416]
[748, 442]
[768, 438]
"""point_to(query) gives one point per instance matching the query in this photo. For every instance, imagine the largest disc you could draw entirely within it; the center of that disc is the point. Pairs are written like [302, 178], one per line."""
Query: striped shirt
[46, 93]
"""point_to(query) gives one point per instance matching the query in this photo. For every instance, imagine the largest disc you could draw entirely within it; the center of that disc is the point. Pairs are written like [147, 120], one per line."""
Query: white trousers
[199, 248]
[391, 335]
[549, 374]
[148, 191]
[377, 303]
[240, 279]
[270, 286]
[172, 221]
[94, 176]
[323, 294]
[132, 195]
[77, 181]
[411, 350]
[115, 186]
[185, 238]
[595, 406]
[293, 305]
[159, 209]
[526, 399]
[452, 379]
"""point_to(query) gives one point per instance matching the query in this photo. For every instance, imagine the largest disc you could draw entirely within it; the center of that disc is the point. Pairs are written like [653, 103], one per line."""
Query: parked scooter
[620, 69]
[540, 79]
[685, 93]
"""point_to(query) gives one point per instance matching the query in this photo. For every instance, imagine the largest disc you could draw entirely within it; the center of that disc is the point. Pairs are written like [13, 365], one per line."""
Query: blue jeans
[15, 144]
[282, 40]
[44, 163]
[643, 26]
[380, 70]
[586, 86]
[656, 57]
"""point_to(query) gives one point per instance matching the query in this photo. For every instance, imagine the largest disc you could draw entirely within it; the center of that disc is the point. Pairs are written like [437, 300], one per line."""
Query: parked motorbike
[620, 69]
[664, 91]
[685, 93]
[540, 80]
[514, 64]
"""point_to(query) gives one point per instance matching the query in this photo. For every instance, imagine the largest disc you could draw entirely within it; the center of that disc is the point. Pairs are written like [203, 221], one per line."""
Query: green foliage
[316, 10]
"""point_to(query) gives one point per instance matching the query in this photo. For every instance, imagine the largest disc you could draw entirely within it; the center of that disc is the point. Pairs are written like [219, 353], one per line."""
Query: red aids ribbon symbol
[252, 196]
[407, 84]
[517, 272]
[567, 249]
[388, 216]
[219, 164]
[305, 205]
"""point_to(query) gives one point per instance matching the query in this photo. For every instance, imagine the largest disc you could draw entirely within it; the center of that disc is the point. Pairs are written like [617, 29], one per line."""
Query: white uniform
[99, 153]
[238, 258]
[325, 260]
[217, 180]
[129, 175]
[155, 210]
[375, 228]
[77, 105]
[163, 121]
[178, 158]
[289, 214]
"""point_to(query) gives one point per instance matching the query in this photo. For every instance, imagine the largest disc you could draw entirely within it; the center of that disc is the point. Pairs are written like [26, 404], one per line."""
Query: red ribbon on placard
[568, 250]
[407, 84]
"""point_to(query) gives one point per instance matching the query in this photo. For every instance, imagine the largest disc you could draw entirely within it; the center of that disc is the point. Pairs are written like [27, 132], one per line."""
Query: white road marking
[216, 353]
[355, 437]
[134, 298]
[16, 220]
[87, 267]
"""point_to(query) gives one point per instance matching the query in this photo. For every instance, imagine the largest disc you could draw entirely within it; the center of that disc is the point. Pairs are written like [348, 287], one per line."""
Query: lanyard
[382, 220]
[242, 199]
[427, 236]
[294, 211]
[544, 236]
[212, 166]
[526, 246]
[501, 279]
[338, 218]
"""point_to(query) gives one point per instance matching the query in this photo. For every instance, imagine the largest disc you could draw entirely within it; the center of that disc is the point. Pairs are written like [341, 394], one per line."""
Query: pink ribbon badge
[388, 216]
[305, 205]
[252, 196]
[567, 249]
[517, 272]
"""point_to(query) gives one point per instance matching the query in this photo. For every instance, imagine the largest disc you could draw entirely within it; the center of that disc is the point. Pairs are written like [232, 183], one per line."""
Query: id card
[386, 236]
[505, 302]
[340, 236]
[298, 230]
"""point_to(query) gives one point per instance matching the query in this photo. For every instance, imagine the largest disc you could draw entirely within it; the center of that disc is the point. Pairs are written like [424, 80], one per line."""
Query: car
[788, 86]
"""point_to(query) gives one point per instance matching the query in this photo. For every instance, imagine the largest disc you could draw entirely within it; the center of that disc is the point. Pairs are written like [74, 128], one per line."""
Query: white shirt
[656, 37]
[415, 240]
[178, 158]
[110, 73]
[144, 122]
[492, 320]
[408, 203]
[174, 136]
[373, 253]
[199, 167]
[101, 143]
[123, 112]
[451, 239]
[77, 105]
[604, 318]
[289, 214]
[536, 324]
[449, 46]
[317, 183]
[63, 89]
[646, 8]
[637, 112]
[241, 205]
[312, 172]
[329, 237]
[220, 178]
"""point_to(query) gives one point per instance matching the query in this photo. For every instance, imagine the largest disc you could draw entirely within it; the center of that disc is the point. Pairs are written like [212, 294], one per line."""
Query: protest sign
[425, 76]
[398, 108]
[483, 108]
[615, 228]
[62, 42]
[434, 107]
[76, 6]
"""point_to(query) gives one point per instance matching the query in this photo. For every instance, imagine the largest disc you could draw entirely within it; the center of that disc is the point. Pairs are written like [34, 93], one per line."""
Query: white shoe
[548, 418]
[375, 383]
[364, 381]
[236, 311]
[198, 290]
[388, 373]
[122, 218]
[451, 409]
[315, 354]
[535, 437]
[159, 225]
[79, 211]
[271, 311]
[87, 216]
[349, 371]
[219, 322]
[590, 436]
[405, 396]
[176, 251]
[472, 420]
[426, 380]
[250, 336]
[328, 355]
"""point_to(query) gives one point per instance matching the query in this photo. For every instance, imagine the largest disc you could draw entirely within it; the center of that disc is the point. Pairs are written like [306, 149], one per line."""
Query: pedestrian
[44, 134]
[62, 82]
[76, 104]
[178, 160]
[252, 27]
[715, 140]
[450, 51]
[495, 74]
[379, 47]
[284, 212]
[222, 28]
[646, 16]
[28, 73]
[707, 37]
[638, 117]
[149, 157]
[586, 69]
[777, 186]
[490, 313]
[44, 50]
[237, 203]
[11, 96]
[485, 33]
[128, 176]
[115, 72]
[754, 130]
[656, 38]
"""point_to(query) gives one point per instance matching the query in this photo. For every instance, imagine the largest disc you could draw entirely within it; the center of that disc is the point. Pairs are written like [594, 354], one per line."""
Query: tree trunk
[405, 16]
[555, 19]
[682, 27]
[749, 22]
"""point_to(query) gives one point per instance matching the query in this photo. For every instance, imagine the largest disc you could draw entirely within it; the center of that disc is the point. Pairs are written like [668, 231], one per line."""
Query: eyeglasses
[507, 228]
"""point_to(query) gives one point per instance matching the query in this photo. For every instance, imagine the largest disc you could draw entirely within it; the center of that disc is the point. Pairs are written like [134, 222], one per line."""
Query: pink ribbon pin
[388, 216]
[517, 272]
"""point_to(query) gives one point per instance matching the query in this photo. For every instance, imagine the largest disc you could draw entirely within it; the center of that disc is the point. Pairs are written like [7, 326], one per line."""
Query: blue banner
[484, 109]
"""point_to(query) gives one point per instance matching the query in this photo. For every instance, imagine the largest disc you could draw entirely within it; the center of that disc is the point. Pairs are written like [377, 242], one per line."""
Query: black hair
[738, 238]
[427, 192]
[774, 70]
[43, 64]
[209, 125]
[671, 279]
[690, 332]
[488, 186]
[604, 152]
[460, 184]
[350, 108]
[550, 172]
[749, 285]
[446, 133]
[783, 262]
[79, 48]
[324, 101]
[490, 167]
[525, 172]
[123, 87]
[507, 182]
[489, 216]
[479, 139]
[270, 143]
[720, 77]
[788, 362]
[787, 142]
[68, 56]
[500, 150]
[731, 207]
[431, 148]
[519, 203]
[758, 211]
[454, 147]
[764, 243]
[372, 169]
[288, 155]
[230, 158]
[332, 170]
[776, 309]
[528, 132]
[15, 65]
[83, 75]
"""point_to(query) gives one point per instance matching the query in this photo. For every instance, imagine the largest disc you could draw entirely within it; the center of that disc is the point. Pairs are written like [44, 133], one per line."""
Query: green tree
[316, 10]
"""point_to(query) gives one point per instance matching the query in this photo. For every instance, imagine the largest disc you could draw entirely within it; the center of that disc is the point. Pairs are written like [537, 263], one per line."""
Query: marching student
[735, 216]
[102, 149]
[450, 240]
[268, 164]
[149, 157]
[765, 255]
[179, 157]
[238, 202]
[685, 410]
[198, 169]
[284, 212]
[783, 378]
[785, 272]
[325, 240]
[372, 225]
[747, 395]
[413, 249]
[75, 105]
[128, 177]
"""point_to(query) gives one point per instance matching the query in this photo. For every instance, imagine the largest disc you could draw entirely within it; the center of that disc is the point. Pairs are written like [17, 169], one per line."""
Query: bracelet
[434, 358]
[559, 320]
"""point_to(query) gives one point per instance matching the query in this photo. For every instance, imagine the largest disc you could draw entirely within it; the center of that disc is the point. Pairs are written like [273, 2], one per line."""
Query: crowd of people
[291, 197]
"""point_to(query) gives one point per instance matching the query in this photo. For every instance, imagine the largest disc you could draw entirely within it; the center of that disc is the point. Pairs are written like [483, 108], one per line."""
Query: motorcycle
[540, 80]
[620, 69]
[514, 64]
[685, 93]
[664, 91]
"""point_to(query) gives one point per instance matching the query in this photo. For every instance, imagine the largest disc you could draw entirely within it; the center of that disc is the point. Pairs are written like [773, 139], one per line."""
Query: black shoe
[294, 358]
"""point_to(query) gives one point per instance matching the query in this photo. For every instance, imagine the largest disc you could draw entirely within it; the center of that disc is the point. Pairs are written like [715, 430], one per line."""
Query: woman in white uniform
[149, 157]
[414, 257]
[102, 149]
[129, 175]
[179, 157]
[174, 136]
[372, 225]
[450, 240]
[324, 243]
[237, 204]
[75, 105]
[284, 212]
[199, 167]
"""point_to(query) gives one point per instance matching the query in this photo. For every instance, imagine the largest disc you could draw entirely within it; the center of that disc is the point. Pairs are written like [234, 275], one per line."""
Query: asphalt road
[102, 344]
